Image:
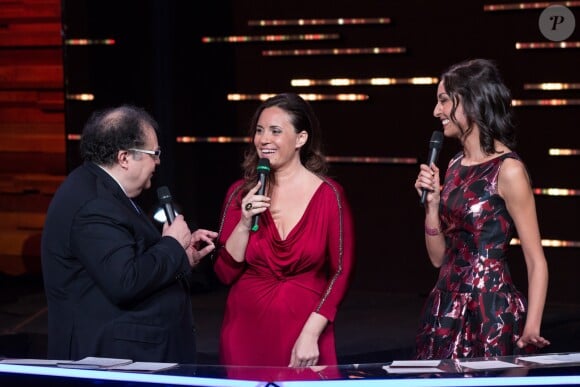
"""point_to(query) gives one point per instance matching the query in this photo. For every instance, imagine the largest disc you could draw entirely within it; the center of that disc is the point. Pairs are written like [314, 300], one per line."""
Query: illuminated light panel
[267, 38]
[563, 152]
[556, 191]
[216, 139]
[551, 86]
[73, 137]
[89, 42]
[81, 97]
[368, 81]
[336, 51]
[550, 243]
[308, 97]
[540, 45]
[523, 6]
[371, 160]
[545, 102]
[318, 22]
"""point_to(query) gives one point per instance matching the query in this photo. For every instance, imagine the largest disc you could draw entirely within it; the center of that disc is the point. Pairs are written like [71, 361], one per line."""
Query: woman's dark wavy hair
[113, 129]
[486, 101]
[303, 119]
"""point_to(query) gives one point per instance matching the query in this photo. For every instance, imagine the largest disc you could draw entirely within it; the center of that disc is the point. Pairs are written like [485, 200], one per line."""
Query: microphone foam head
[263, 166]
[436, 140]
[164, 195]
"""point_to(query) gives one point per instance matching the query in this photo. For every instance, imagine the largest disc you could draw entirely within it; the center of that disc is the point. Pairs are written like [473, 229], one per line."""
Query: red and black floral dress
[474, 310]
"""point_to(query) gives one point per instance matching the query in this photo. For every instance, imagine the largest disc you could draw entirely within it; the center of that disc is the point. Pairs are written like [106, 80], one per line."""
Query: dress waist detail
[483, 270]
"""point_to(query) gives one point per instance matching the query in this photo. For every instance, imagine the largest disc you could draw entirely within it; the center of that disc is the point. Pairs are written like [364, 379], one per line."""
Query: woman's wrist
[432, 231]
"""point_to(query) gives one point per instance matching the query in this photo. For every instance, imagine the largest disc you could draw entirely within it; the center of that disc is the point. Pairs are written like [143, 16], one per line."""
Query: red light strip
[371, 160]
[337, 51]
[369, 81]
[550, 243]
[81, 97]
[308, 97]
[545, 102]
[556, 192]
[215, 139]
[89, 42]
[550, 86]
[318, 22]
[524, 6]
[267, 38]
[542, 45]
[563, 152]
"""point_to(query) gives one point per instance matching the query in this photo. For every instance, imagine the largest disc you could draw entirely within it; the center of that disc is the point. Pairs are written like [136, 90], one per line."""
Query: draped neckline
[270, 220]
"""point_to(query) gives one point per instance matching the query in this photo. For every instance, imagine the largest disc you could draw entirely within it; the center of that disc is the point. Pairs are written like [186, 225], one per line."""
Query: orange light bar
[550, 243]
[337, 51]
[267, 38]
[89, 42]
[216, 139]
[368, 81]
[556, 191]
[563, 152]
[80, 97]
[318, 22]
[524, 6]
[73, 137]
[551, 86]
[542, 45]
[308, 97]
[371, 160]
[545, 102]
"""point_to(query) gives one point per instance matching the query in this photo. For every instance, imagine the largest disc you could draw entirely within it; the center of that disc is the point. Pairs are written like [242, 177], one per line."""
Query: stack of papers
[96, 363]
[413, 367]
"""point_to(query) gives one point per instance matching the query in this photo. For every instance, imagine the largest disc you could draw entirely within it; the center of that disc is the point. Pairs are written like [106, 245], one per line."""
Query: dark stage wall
[160, 62]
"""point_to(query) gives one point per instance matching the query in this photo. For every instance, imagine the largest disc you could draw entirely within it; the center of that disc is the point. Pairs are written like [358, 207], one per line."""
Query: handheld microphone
[165, 201]
[263, 171]
[435, 145]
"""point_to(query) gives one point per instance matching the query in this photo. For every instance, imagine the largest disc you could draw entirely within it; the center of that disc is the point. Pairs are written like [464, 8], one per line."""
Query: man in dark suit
[114, 284]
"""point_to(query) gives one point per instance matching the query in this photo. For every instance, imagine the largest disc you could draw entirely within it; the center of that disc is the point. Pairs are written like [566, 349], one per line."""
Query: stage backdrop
[200, 68]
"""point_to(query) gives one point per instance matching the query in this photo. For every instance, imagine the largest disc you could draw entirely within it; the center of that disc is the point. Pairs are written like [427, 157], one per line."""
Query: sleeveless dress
[474, 310]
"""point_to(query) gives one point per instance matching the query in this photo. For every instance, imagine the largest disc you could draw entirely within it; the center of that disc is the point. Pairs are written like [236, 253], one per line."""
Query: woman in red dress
[289, 277]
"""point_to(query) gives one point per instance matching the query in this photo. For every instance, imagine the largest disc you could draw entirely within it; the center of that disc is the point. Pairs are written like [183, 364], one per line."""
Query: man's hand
[202, 243]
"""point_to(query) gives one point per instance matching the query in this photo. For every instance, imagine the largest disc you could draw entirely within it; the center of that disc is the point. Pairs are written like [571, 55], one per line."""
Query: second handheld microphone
[263, 171]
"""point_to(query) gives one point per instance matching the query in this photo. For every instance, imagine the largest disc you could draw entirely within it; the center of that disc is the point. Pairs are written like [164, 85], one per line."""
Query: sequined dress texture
[474, 310]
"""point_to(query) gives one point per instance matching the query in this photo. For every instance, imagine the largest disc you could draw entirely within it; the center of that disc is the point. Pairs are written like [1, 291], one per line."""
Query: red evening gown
[474, 310]
[283, 281]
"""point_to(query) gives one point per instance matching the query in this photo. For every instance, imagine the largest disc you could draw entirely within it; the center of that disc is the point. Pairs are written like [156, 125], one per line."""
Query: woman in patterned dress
[475, 310]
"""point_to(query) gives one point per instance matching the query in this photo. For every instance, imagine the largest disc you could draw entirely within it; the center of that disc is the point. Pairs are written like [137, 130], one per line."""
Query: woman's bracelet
[432, 231]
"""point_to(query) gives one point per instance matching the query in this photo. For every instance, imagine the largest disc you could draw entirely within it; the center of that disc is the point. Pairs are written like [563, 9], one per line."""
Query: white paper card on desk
[142, 366]
[95, 363]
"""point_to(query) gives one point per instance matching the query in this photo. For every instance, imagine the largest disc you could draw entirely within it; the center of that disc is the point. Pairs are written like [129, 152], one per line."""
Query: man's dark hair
[110, 130]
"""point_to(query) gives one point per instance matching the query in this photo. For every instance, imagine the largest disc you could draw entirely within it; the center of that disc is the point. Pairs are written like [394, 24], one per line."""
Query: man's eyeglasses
[154, 153]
